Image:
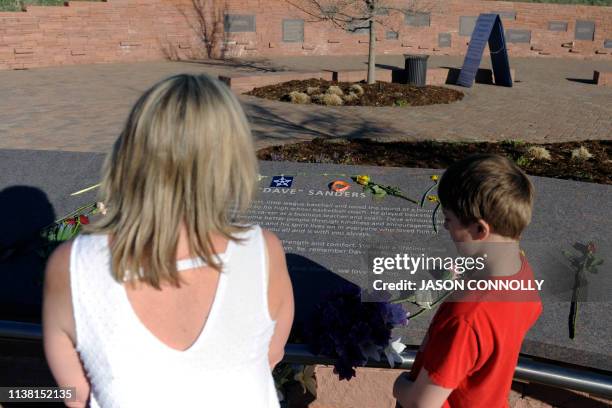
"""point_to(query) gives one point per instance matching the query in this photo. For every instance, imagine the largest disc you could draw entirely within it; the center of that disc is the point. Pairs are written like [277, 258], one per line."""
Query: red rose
[71, 221]
[591, 248]
[83, 219]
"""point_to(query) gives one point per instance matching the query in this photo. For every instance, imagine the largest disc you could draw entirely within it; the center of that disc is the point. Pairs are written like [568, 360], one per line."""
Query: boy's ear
[484, 229]
[480, 230]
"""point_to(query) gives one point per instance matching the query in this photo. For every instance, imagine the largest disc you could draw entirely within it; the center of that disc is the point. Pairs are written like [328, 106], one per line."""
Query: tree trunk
[372, 54]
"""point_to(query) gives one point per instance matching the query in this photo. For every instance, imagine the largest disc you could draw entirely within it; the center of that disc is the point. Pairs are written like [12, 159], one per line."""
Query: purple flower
[352, 331]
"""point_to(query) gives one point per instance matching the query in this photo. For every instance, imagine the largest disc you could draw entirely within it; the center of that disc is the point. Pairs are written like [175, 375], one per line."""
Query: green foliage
[513, 143]
[401, 103]
[522, 161]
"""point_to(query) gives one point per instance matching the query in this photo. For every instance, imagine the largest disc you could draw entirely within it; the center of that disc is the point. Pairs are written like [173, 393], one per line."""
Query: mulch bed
[439, 155]
[378, 94]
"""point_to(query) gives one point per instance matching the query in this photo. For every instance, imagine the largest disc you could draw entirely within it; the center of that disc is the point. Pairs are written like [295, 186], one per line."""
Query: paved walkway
[82, 108]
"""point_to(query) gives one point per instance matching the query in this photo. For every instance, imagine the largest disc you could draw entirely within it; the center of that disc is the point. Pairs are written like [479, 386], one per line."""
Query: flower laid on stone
[101, 207]
[432, 199]
[378, 190]
[585, 261]
[351, 331]
[68, 227]
[364, 180]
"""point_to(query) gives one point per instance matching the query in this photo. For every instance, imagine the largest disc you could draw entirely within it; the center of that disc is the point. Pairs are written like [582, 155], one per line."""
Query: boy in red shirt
[470, 353]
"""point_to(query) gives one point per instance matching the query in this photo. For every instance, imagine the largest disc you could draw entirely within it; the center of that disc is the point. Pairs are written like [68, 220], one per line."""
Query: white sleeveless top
[127, 366]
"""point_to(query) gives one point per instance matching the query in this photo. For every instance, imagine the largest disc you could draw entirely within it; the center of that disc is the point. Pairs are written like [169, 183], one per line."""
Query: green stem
[573, 316]
[424, 197]
[433, 218]
[391, 192]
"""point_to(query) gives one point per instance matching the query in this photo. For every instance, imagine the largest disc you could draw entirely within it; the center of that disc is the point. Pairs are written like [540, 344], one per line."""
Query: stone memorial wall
[331, 237]
[130, 30]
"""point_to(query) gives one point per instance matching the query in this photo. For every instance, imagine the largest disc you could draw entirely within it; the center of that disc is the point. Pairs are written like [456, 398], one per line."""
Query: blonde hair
[186, 154]
[488, 187]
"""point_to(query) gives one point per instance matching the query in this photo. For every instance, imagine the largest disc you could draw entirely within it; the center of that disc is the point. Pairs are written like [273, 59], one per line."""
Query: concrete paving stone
[83, 107]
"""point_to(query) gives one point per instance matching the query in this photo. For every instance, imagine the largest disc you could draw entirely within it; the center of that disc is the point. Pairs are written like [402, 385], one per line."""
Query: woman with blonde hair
[166, 300]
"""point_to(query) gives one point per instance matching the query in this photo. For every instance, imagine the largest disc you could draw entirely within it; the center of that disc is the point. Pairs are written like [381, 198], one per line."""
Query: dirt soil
[439, 155]
[378, 94]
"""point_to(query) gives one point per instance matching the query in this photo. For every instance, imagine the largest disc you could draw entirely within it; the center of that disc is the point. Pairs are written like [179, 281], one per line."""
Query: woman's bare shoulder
[58, 264]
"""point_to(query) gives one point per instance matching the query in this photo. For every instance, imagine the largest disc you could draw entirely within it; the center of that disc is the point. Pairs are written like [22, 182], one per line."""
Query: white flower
[393, 351]
[101, 207]
[424, 298]
[307, 379]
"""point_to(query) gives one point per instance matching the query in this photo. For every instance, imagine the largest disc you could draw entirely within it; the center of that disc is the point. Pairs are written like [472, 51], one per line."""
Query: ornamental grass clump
[299, 97]
[313, 90]
[356, 89]
[538, 153]
[318, 98]
[581, 153]
[350, 97]
[334, 90]
[332, 100]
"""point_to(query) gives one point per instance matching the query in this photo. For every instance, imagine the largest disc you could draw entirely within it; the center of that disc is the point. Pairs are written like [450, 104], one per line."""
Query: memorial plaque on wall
[444, 40]
[391, 35]
[506, 15]
[466, 25]
[518, 36]
[293, 30]
[557, 26]
[585, 30]
[239, 23]
[417, 19]
[608, 43]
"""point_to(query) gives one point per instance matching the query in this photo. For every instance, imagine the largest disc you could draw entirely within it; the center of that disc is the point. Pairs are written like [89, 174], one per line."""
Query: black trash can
[415, 70]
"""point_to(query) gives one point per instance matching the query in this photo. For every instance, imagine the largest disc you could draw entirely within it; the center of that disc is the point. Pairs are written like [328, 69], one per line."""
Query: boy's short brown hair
[488, 187]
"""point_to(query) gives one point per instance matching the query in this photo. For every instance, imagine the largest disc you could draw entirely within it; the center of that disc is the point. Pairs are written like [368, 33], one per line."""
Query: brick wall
[137, 30]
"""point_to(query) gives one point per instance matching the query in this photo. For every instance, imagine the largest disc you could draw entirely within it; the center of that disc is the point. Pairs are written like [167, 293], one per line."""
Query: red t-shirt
[473, 347]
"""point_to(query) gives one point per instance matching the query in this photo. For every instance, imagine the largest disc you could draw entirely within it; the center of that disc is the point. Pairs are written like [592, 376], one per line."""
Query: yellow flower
[435, 177]
[363, 180]
[432, 198]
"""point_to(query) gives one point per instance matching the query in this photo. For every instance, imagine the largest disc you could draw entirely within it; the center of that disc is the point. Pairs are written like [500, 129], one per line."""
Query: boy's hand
[401, 385]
